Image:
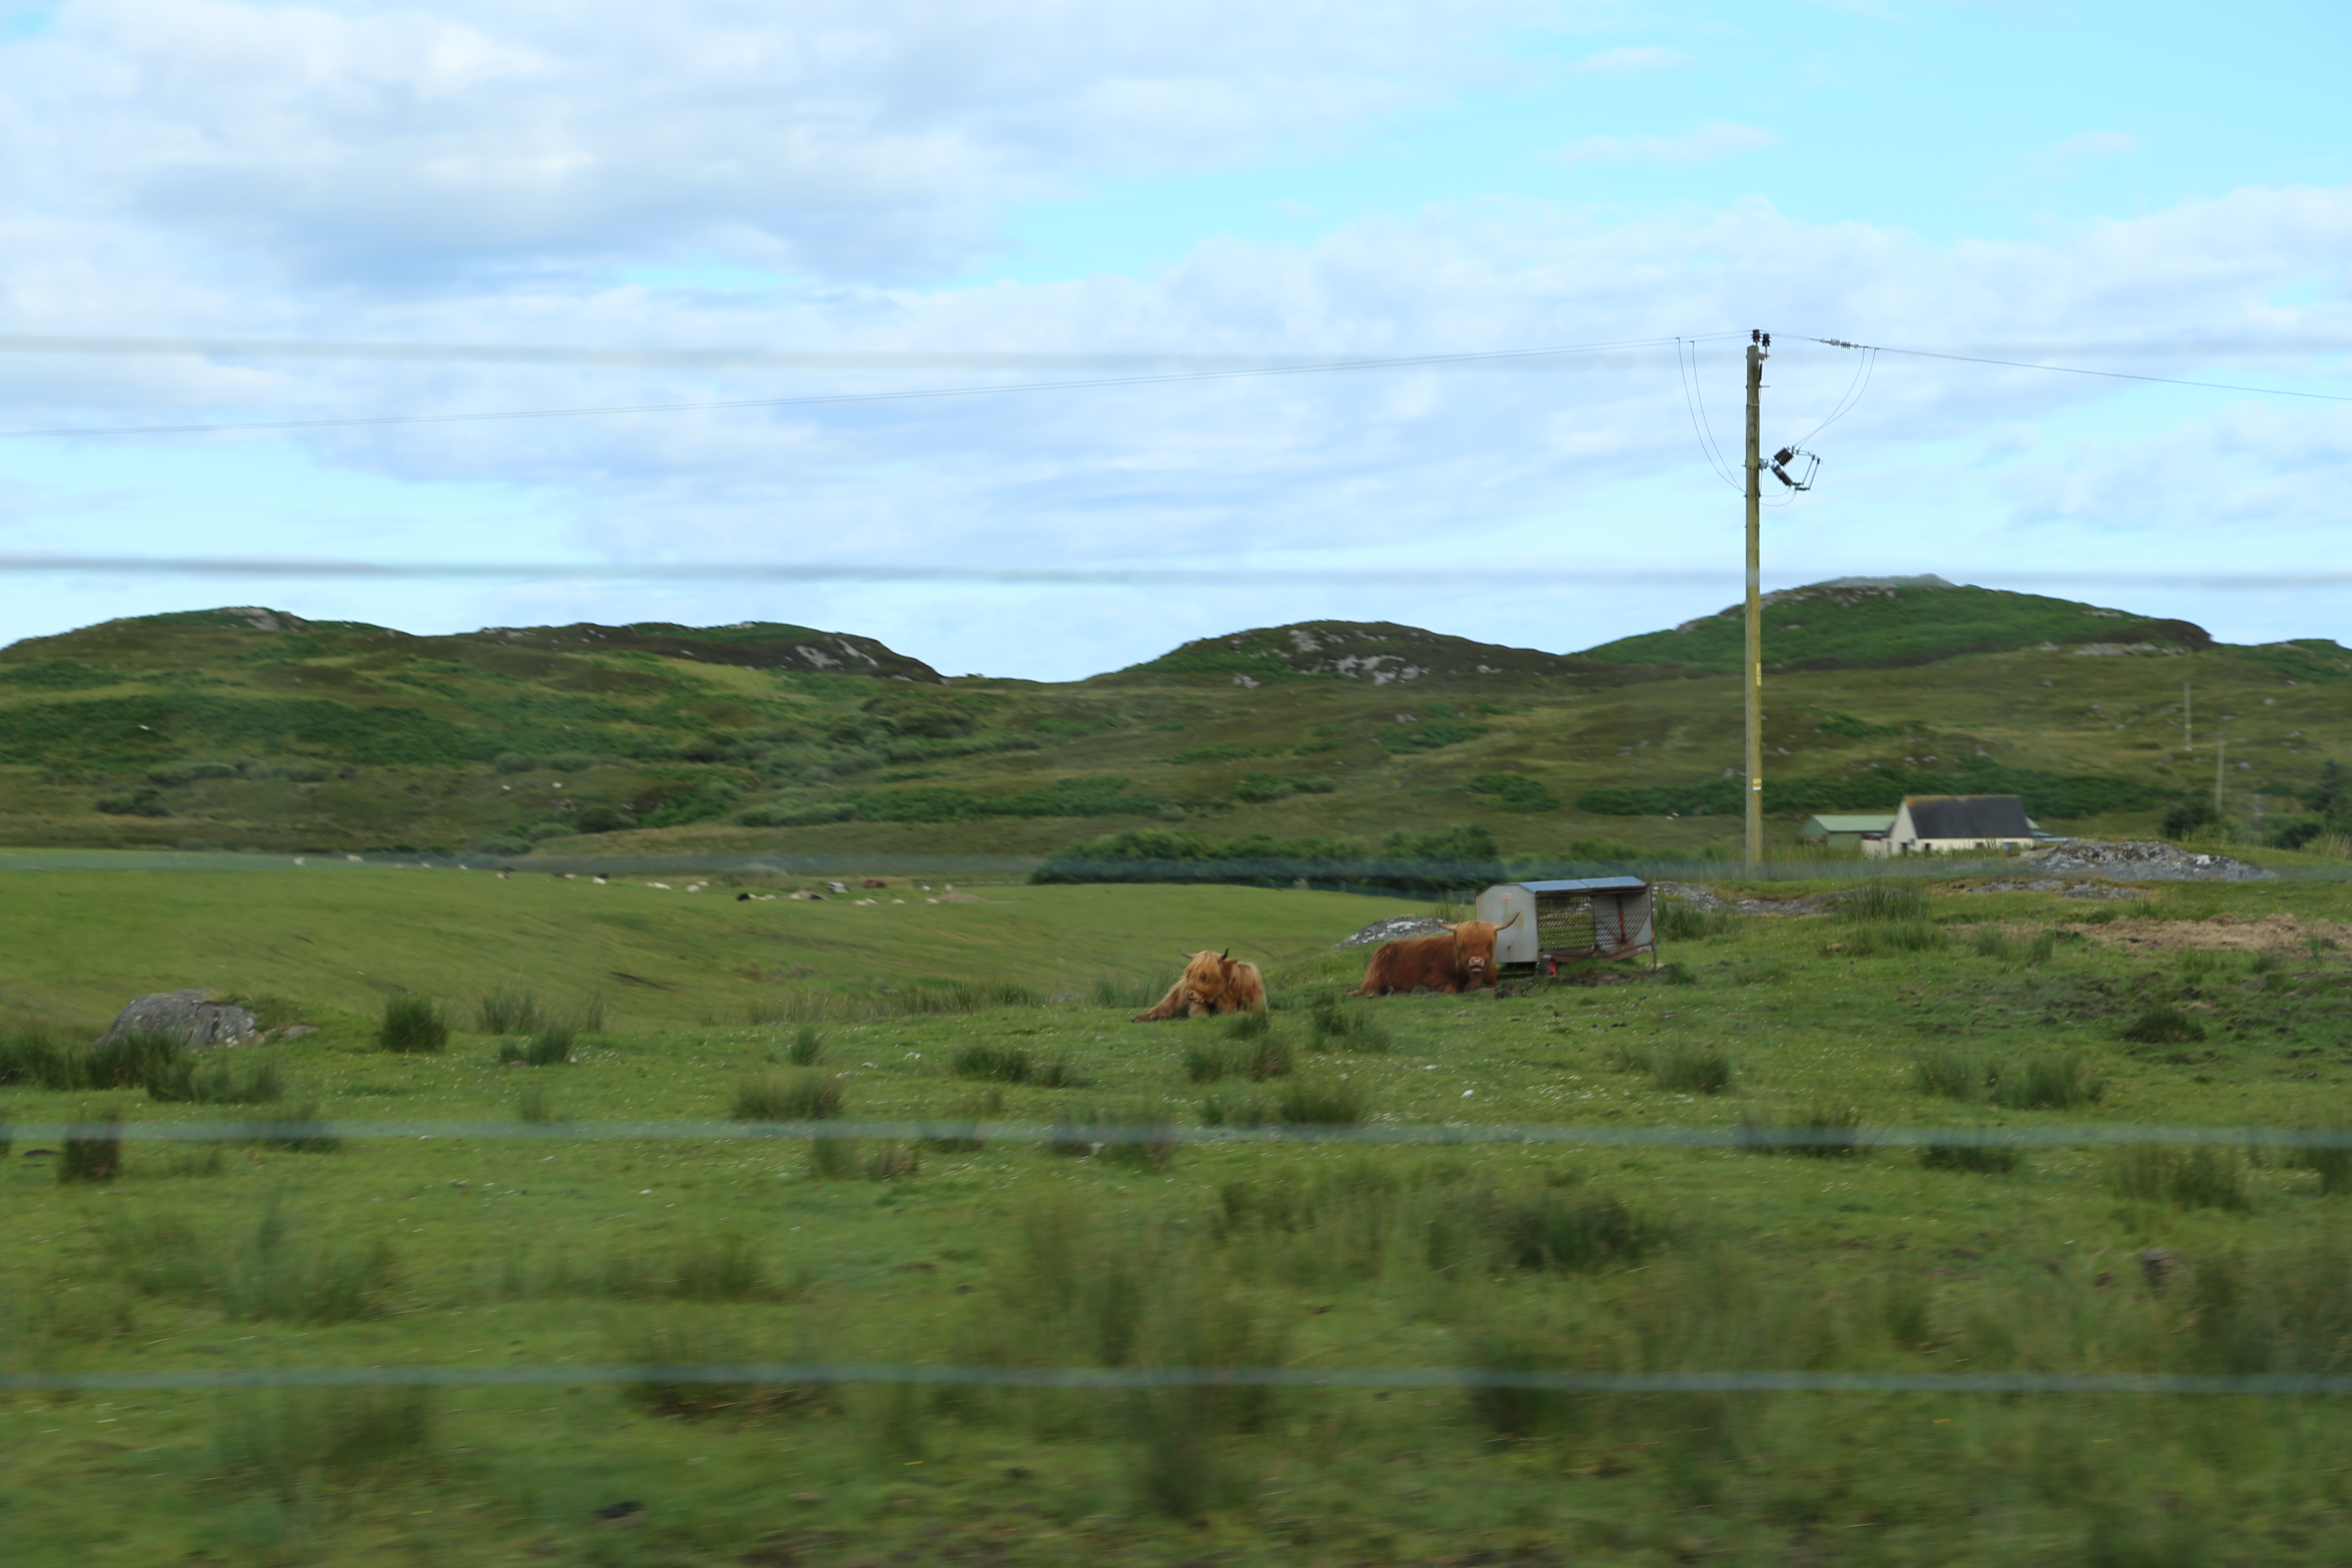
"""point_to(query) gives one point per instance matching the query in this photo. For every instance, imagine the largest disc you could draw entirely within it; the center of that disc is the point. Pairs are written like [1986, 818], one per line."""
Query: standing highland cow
[1212, 982]
[1463, 960]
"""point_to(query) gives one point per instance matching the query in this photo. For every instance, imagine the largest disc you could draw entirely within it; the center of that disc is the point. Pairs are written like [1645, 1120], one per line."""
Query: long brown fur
[1463, 960]
[1212, 982]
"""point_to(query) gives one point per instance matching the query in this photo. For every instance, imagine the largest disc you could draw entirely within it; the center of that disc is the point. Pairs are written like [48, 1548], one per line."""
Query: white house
[1948, 823]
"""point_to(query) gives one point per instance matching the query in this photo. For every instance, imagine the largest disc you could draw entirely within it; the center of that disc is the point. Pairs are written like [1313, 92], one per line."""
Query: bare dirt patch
[2220, 933]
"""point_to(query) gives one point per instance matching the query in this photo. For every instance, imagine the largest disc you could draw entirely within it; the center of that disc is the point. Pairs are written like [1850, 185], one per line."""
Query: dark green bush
[1991, 1158]
[802, 1096]
[2163, 1026]
[412, 1024]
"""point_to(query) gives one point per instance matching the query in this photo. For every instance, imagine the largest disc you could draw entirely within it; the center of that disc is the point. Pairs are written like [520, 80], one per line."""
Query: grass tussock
[1763, 971]
[270, 1270]
[667, 1348]
[1887, 938]
[1677, 919]
[2198, 1175]
[535, 1105]
[803, 1095]
[1304, 1102]
[1125, 993]
[806, 1047]
[1258, 1055]
[1013, 1064]
[93, 1153]
[2163, 1025]
[1820, 1132]
[1332, 1026]
[2017, 951]
[2044, 1081]
[961, 1133]
[2332, 1165]
[412, 1025]
[1983, 1159]
[1884, 904]
[301, 1129]
[280, 1442]
[815, 1006]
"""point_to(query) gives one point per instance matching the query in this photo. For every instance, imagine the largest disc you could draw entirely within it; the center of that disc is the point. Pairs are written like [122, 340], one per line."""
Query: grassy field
[2197, 1004]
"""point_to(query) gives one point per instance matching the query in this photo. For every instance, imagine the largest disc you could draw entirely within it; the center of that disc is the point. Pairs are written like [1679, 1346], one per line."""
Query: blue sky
[2141, 188]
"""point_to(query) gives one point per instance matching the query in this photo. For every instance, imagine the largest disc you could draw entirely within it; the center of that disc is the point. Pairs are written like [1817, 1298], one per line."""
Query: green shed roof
[1858, 822]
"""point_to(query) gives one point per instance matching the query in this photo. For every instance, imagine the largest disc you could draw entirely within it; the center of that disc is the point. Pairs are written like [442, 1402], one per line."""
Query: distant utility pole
[2221, 761]
[1760, 349]
[2188, 740]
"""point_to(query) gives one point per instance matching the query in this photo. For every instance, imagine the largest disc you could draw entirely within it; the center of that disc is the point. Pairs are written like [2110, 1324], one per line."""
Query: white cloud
[834, 137]
[1619, 62]
[1703, 145]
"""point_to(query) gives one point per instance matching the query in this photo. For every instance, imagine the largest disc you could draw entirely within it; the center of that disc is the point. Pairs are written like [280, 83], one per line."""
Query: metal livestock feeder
[1569, 923]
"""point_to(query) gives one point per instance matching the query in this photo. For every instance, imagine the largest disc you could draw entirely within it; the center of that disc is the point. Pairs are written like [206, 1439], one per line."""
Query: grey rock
[200, 1022]
[2142, 860]
[1396, 928]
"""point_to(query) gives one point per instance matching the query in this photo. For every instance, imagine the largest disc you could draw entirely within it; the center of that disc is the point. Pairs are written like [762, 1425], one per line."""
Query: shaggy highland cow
[1462, 961]
[1212, 982]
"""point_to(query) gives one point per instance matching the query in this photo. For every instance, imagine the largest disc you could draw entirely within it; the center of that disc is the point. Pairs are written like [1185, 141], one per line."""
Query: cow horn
[1224, 955]
[1449, 925]
[1512, 922]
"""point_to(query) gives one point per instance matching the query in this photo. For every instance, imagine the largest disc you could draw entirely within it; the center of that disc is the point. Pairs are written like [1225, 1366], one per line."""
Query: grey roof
[1582, 885]
[1968, 816]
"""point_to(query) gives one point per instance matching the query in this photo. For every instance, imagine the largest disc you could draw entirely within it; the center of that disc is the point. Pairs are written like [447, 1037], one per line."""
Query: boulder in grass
[193, 1017]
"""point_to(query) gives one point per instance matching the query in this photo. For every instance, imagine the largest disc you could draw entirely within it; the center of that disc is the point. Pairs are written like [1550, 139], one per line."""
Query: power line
[2078, 369]
[295, 567]
[1404, 362]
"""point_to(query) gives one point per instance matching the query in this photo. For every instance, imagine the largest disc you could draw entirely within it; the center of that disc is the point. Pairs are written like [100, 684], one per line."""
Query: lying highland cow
[1462, 961]
[1212, 982]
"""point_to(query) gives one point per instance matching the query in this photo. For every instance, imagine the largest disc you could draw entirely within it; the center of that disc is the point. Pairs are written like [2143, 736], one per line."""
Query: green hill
[1886, 623]
[258, 728]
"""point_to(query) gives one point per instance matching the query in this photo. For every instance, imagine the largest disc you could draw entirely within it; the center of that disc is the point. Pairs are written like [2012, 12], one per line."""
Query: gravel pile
[2142, 860]
[1396, 928]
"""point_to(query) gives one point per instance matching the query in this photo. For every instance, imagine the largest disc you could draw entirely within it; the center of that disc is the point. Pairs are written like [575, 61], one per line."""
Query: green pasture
[2205, 1004]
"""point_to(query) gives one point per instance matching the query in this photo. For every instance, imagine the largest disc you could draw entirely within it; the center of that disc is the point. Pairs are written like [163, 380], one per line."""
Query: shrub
[2197, 1176]
[412, 1024]
[2163, 1026]
[1692, 1069]
[2189, 814]
[802, 1096]
[95, 1153]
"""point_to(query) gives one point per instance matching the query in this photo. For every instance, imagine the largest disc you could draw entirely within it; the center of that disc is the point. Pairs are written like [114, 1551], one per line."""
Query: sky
[244, 236]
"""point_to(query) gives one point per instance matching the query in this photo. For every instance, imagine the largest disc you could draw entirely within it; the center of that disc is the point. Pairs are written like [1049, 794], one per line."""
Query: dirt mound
[2141, 860]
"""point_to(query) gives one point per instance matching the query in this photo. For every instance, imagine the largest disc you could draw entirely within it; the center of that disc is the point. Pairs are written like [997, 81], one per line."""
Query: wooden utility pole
[1759, 348]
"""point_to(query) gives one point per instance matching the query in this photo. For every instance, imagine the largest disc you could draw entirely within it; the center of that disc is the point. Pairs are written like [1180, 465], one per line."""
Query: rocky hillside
[1373, 653]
